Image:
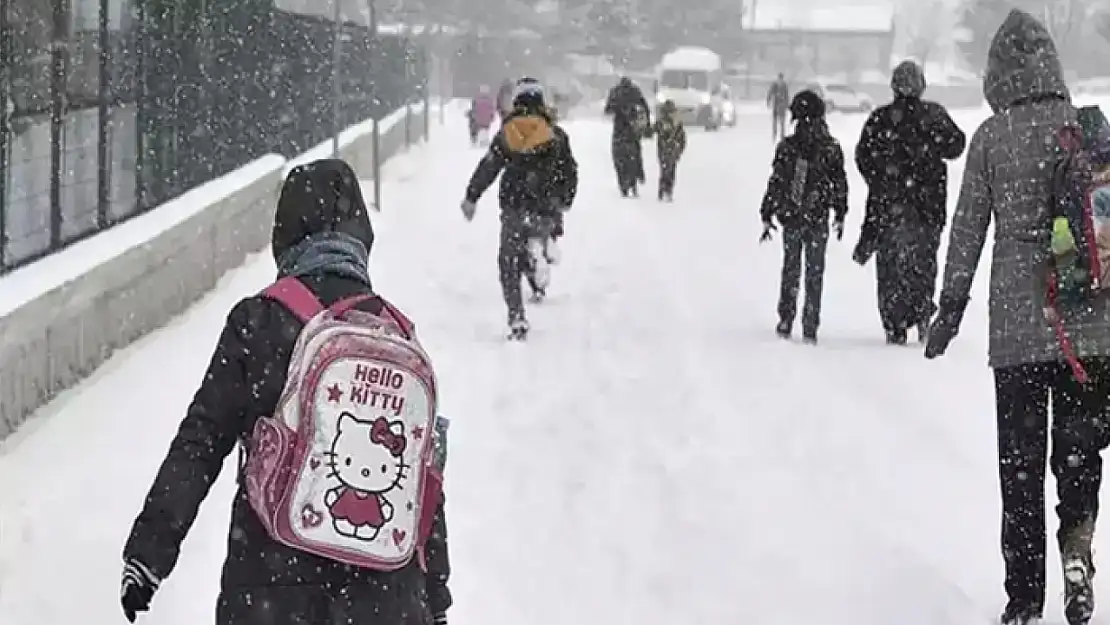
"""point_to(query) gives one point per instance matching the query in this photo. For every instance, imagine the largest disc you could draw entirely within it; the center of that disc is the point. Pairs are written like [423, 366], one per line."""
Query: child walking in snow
[670, 143]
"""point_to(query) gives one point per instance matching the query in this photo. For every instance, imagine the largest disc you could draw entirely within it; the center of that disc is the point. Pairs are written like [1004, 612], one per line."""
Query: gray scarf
[329, 253]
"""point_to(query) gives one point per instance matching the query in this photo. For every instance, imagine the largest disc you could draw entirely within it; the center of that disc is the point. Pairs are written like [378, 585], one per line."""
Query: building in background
[109, 108]
[850, 43]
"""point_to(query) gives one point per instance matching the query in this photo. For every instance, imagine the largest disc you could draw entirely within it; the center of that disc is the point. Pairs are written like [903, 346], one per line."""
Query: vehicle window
[684, 79]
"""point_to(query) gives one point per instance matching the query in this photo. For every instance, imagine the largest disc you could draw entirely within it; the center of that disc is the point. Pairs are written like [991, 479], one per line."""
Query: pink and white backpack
[344, 469]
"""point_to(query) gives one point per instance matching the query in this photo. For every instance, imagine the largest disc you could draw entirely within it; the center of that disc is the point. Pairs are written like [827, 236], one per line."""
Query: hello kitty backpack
[345, 469]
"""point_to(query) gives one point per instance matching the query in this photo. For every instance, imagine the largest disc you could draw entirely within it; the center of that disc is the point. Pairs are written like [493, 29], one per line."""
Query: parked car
[840, 97]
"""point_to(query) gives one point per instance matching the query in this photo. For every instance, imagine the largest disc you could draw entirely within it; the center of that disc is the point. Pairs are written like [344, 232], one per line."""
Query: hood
[322, 196]
[1022, 63]
[908, 80]
[527, 132]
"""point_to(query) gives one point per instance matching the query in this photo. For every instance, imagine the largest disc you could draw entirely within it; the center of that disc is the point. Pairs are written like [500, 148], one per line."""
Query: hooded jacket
[1008, 178]
[901, 156]
[538, 171]
[813, 152]
[322, 234]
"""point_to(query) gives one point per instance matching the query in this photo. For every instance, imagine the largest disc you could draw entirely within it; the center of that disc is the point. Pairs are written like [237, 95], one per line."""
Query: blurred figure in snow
[901, 155]
[631, 120]
[778, 99]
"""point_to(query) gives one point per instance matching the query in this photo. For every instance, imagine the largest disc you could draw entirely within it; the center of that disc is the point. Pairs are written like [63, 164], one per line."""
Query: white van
[693, 78]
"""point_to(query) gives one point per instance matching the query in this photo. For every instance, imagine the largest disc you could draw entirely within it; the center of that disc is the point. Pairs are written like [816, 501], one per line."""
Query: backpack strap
[349, 303]
[296, 296]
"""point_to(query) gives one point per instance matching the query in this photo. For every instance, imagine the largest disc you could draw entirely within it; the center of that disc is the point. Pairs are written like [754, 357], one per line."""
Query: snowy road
[652, 456]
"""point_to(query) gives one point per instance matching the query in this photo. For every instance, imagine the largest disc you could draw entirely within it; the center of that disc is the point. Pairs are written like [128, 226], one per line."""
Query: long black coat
[901, 156]
[263, 582]
[626, 103]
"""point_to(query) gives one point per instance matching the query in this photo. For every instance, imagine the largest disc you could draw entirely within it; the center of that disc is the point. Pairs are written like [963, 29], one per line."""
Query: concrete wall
[63, 316]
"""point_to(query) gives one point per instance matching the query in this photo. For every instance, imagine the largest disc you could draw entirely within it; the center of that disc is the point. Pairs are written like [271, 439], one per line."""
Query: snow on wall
[61, 317]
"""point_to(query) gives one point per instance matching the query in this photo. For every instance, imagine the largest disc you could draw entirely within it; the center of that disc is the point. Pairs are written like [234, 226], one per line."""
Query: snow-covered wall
[61, 317]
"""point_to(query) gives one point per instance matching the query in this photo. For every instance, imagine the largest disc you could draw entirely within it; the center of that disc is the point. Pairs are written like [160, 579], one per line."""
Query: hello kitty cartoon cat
[366, 459]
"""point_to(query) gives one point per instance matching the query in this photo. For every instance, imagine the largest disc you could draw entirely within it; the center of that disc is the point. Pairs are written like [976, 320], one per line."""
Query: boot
[783, 329]
[1079, 570]
[518, 326]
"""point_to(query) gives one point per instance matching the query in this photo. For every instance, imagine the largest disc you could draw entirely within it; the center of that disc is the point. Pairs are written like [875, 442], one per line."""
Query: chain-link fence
[109, 108]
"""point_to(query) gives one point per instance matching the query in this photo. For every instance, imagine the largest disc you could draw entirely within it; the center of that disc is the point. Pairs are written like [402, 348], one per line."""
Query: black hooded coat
[263, 582]
[625, 103]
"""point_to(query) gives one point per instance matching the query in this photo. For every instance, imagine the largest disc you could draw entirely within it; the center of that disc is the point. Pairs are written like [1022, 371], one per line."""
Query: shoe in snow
[518, 327]
[541, 271]
[783, 330]
[896, 337]
[1079, 570]
[538, 295]
[809, 338]
[634, 191]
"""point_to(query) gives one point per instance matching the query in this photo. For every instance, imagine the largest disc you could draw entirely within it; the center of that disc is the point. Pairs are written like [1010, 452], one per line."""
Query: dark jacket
[626, 103]
[538, 171]
[807, 179]
[900, 155]
[670, 139]
[778, 97]
[1008, 180]
[244, 378]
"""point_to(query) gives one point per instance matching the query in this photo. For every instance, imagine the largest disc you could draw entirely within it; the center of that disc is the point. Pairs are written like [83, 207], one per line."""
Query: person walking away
[901, 156]
[778, 99]
[807, 180]
[321, 241]
[670, 143]
[539, 183]
[1009, 175]
[483, 110]
[629, 109]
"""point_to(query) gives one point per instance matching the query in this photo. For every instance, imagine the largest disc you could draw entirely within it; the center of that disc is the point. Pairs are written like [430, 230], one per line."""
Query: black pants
[668, 169]
[809, 241]
[628, 159]
[1077, 433]
[778, 125]
[514, 261]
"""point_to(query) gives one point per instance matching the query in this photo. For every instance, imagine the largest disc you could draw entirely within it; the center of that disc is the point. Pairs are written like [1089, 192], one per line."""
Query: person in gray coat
[1008, 178]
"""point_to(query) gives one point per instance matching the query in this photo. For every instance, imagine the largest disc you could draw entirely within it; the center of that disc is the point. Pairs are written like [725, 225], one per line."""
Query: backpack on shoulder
[346, 468]
[1080, 264]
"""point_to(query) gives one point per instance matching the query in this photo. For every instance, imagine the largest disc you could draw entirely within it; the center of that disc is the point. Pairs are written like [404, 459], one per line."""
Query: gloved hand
[439, 618]
[860, 255]
[468, 209]
[137, 588]
[838, 228]
[768, 228]
[945, 327]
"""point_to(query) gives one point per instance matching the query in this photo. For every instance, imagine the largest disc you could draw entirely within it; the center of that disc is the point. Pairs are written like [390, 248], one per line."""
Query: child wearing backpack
[670, 143]
[339, 513]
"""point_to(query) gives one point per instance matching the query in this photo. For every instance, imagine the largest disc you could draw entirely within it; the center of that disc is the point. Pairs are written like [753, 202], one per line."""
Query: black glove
[768, 228]
[439, 618]
[861, 255]
[468, 209]
[137, 588]
[944, 327]
[838, 228]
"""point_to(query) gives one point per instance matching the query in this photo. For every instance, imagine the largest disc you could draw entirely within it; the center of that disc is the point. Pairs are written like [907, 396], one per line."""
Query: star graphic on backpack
[335, 393]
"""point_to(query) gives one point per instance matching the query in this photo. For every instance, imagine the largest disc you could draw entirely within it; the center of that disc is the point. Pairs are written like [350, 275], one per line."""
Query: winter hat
[908, 80]
[807, 106]
[322, 196]
[529, 94]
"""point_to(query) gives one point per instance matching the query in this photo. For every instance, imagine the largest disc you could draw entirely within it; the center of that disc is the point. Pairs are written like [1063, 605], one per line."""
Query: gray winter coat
[1007, 177]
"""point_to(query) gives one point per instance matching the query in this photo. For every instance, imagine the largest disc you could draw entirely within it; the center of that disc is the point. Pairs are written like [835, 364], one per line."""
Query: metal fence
[109, 108]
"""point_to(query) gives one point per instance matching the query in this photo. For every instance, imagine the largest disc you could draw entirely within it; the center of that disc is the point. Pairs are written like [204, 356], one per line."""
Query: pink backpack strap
[296, 296]
[406, 324]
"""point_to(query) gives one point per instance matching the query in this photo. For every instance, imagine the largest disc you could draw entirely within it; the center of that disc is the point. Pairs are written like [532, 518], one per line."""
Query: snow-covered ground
[653, 455]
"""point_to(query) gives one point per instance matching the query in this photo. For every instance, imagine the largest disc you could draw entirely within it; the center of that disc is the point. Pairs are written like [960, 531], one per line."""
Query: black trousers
[514, 261]
[1077, 432]
[628, 159]
[668, 169]
[810, 242]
